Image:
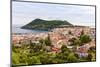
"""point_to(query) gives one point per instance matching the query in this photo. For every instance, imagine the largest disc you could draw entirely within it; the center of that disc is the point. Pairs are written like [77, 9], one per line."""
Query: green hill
[39, 24]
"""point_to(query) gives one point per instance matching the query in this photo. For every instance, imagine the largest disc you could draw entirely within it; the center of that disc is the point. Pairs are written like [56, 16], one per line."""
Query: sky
[25, 12]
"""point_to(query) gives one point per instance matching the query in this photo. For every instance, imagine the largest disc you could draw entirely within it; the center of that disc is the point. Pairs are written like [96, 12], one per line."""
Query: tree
[69, 32]
[33, 60]
[15, 58]
[85, 38]
[42, 41]
[82, 32]
[93, 48]
[72, 58]
[89, 57]
[75, 42]
[48, 41]
[46, 58]
[64, 49]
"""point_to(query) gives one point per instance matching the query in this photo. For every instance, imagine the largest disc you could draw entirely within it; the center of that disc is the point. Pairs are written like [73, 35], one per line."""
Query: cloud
[24, 12]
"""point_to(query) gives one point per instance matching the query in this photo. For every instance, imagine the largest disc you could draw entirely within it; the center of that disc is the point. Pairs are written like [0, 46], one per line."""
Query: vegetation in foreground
[33, 54]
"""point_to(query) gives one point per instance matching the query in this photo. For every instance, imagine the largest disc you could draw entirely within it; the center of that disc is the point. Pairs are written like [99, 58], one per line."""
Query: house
[55, 49]
[58, 39]
[82, 51]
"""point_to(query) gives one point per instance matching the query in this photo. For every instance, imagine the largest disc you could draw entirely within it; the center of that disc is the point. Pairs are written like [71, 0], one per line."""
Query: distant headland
[40, 24]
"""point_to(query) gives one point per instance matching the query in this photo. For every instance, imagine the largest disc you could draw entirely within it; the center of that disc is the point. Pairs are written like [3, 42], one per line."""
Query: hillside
[40, 24]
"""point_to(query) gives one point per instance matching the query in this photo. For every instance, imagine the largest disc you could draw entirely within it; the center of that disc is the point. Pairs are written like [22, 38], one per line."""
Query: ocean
[17, 29]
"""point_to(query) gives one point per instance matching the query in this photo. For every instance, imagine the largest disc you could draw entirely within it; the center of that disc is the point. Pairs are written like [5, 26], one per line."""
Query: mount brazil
[46, 25]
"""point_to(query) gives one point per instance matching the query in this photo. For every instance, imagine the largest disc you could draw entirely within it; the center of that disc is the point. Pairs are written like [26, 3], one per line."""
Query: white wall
[5, 33]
